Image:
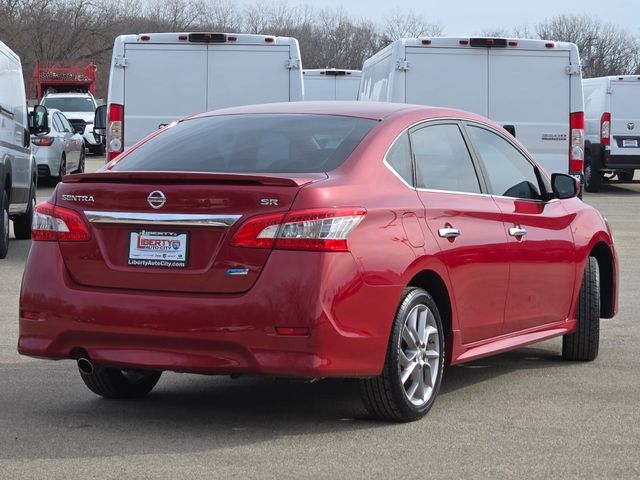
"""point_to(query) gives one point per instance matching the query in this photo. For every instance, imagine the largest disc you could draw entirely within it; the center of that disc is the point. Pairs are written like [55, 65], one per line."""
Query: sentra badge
[78, 198]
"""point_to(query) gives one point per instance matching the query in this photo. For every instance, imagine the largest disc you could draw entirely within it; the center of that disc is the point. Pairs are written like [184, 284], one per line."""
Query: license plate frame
[158, 249]
[630, 143]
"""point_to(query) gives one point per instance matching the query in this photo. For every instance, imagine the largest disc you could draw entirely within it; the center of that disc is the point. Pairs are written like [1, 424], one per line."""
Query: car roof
[370, 110]
[70, 94]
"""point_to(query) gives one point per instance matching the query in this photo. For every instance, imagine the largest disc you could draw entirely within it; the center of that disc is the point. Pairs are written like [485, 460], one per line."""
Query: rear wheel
[62, 171]
[4, 224]
[22, 223]
[81, 162]
[582, 345]
[626, 175]
[120, 384]
[412, 372]
[592, 177]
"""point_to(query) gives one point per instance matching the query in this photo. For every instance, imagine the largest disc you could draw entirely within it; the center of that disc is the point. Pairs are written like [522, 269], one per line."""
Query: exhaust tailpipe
[85, 366]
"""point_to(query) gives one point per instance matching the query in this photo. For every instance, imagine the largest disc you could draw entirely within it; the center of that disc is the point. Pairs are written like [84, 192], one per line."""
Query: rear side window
[442, 160]
[399, 158]
[509, 173]
[251, 143]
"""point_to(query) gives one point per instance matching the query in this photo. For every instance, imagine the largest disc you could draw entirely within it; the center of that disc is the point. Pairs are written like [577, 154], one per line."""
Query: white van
[532, 87]
[612, 128]
[18, 171]
[157, 78]
[331, 84]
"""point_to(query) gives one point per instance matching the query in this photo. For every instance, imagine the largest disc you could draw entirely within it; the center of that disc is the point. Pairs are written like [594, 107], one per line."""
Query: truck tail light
[115, 130]
[576, 143]
[324, 229]
[42, 141]
[53, 223]
[605, 129]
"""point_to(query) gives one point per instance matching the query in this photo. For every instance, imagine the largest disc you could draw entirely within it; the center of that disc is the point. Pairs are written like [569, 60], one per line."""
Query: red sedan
[366, 240]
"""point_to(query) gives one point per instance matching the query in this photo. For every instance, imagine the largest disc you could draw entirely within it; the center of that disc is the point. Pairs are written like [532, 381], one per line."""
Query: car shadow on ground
[215, 412]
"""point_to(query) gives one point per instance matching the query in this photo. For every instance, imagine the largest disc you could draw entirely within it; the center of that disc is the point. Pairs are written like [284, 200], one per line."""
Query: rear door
[530, 90]
[246, 74]
[625, 117]
[448, 77]
[163, 83]
[347, 87]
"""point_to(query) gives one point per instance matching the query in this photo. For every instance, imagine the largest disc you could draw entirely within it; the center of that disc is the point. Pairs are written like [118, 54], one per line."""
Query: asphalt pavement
[522, 414]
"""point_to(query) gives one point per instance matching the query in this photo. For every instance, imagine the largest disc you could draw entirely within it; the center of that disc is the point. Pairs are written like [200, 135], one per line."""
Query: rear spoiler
[284, 180]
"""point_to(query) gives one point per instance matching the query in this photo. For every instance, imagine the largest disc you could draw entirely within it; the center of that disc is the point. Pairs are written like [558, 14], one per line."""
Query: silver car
[60, 151]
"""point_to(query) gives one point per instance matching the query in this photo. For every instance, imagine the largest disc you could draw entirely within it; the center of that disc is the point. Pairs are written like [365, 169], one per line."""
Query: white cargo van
[331, 84]
[612, 128]
[532, 87]
[157, 78]
[18, 171]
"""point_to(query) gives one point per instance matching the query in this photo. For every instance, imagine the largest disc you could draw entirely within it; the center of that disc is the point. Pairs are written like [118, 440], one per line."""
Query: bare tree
[407, 24]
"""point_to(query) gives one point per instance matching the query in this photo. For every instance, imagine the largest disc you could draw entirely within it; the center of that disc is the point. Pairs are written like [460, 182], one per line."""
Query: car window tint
[65, 124]
[442, 159]
[260, 143]
[509, 172]
[56, 123]
[399, 158]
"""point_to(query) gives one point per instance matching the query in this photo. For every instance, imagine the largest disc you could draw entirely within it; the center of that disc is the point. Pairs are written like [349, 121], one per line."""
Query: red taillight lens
[576, 143]
[605, 128]
[115, 130]
[317, 229]
[51, 223]
[42, 141]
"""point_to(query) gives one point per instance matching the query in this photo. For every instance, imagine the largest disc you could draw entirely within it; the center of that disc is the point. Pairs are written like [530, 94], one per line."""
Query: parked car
[305, 240]
[18, 174]
[531, 87]
[60, 151]
[612, 129]
[79, 109]
[225, 69]
[331, 84]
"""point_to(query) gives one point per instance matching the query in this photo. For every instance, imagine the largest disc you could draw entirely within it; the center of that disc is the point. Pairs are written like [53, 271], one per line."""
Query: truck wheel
[4, 224]
[582, 345]
[119, 384]
[412, 371]
[626, 175]
[592, 177]
[22, 224]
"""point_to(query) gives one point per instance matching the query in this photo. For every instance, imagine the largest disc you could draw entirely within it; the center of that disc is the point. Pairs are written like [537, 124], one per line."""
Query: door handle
[449, 232]
[517, 231]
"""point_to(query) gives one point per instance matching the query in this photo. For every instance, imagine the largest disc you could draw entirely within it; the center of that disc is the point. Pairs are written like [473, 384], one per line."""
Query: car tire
[626, 175]
[119, 384]
[62, 171]
[22, 224]
[583, 344]
[412, 372]
[592, 177]
[81, 162]
[4, 224]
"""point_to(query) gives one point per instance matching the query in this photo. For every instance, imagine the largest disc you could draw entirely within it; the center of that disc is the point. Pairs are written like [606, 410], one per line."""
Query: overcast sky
[468, 17]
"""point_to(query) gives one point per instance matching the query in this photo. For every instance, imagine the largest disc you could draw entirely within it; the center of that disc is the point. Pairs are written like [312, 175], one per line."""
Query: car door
[541, 247]
[467, 225]
[72, 143]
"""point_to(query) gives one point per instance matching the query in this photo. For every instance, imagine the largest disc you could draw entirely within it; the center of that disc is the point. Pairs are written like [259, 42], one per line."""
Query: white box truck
[331, 84]
[532, 87]
[612, 129]
[158, 78]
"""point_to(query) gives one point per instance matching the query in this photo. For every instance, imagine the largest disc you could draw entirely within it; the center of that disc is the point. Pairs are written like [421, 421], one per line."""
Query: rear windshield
[70, 104]
[251, 144]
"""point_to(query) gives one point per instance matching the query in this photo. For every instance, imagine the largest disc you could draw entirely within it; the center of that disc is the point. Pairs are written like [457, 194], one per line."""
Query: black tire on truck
[592, 176]
[22, 224]
[4, 224]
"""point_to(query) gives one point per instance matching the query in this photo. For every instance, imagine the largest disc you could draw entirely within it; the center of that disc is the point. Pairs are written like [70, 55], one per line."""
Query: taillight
[605, 128]
[115, 129]
[51, 223]
[42, 141]
[323, 229]
[576, 144]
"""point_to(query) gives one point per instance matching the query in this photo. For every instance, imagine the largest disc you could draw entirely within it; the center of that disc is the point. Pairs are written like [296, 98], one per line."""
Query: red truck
[62, 77]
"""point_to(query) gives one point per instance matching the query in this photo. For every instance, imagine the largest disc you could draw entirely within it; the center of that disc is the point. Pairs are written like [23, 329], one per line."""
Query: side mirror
[564, 186]
[39, 120]
[100, 121]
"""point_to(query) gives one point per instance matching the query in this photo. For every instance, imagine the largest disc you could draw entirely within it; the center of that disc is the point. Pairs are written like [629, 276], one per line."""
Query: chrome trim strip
[178, 219]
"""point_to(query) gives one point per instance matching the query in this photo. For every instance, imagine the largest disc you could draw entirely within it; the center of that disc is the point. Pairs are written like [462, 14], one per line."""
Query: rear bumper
[620, 161]
[348, 321]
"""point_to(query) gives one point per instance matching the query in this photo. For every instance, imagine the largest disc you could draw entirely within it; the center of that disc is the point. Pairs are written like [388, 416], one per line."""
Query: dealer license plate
[158, 249]
[627, 142]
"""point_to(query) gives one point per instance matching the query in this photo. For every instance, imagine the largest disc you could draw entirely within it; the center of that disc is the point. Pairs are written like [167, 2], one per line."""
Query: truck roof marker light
[183, 38]
[426, 42]
[464, 42]
[513, 43]
[269, 39]
[145, 38]
[549, 45]
[232, 39]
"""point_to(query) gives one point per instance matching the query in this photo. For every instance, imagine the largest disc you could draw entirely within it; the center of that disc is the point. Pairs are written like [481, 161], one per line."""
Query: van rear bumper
[620, 161]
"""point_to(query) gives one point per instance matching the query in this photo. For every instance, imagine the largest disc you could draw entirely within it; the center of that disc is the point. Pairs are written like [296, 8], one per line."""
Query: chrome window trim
[177, 219]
